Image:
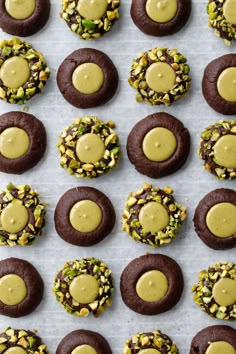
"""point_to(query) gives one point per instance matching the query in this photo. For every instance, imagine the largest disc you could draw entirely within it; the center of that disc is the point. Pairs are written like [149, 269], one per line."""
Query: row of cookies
[84, 216]
[210, 340]
[90, 19]
[149, 285]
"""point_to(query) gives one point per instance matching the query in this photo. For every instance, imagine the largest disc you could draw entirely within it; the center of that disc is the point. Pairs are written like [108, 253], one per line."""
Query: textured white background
[125, 41]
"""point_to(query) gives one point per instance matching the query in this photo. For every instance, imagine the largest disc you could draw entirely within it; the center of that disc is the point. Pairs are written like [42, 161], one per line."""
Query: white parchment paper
[191, 183]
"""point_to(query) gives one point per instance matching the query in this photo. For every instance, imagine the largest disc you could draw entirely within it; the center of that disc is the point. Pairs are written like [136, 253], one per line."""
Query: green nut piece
[39, 71]
[67, 147]
[209, 138]
[204, 290]
[25, 196]
[151, 340]
[86, 28]
[139, 68]
[73, 269]
[136, 200]
[25, 339]
[222, 27]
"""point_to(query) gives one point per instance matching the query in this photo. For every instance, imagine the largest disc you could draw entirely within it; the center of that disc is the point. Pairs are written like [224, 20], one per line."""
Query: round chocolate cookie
[158, 145]
[89, 147]
[21, 341]
[83, 341]
[87, 78]
[22, 142]
[218, 149]
[23, 71]
[23, 18]
[214, 340]
[84, 216]
[160, 75]
[90, 19]
[215, 292]
[222, 18]
[219, 82]
[215, 219]
[160, 17]
[21, 215]
[154, 342]
[151, 284]
[152, 215]
[21, 287]
[84, 286]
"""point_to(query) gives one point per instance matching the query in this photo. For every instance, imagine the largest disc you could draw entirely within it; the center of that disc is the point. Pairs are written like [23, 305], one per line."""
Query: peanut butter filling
[84, 349]
[20, 9]
[221, 220]
[159, 144]
[152, 286]
[84, 289]
[12, 289]
[92, 9]
[225, 151]
[220, 348]
[229, 11]
[161, 11]
[90, 148]
[14, 143]
[88, 78]
[226, 84]
[160, 77]
[224, 292]
[85, 216]
[153, 217]
[14, 218]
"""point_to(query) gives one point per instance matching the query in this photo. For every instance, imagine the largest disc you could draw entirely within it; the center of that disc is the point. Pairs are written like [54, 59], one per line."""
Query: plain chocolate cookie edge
[80, 337]
[34, 284]
[135, 140]
[150, 27]
[28, 26]
[209, 84]
[71, 62]
[38, 141]
[216, 196]
[133, 272]
[61, 217]
[216, 333]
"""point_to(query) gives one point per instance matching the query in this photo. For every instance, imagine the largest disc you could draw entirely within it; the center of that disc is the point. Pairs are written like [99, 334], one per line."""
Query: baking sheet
[191, 183]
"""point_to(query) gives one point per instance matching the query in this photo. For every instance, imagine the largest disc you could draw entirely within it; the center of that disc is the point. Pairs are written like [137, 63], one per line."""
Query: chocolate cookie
[215, 292]
[89, 147]
[90, 19]
[158, 145]
[222, 18]
[152, 215]
[21, 215]
[23, 71]
[22, 142]
[87, 78]
[160, 18]
[160, 75]
[150, 343]
[23, 18]
[151, 284]
[21, 341]
[218, 149]
[84, 216]
[215, 219]
[84, 286]
[83, 340]
[218, 84]
[21, 287]
[214, 339]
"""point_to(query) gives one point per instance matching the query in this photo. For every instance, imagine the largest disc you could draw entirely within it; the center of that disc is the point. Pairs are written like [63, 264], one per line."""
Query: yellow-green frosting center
[224, 292]
[160, 77]
[85, 216]
[88, 78]
[229, 11]
[84, 289]
[220, 347]
[152, 286]
[20, 9]
[15, 72]
[153, 217]
[90, 148]
[14, 143]
[14, 218]
[221, 220]
[15, 350]
[225, 151]
[161, 10]
[84, 349]
[92, 9]
[226, 84]
[12, 289]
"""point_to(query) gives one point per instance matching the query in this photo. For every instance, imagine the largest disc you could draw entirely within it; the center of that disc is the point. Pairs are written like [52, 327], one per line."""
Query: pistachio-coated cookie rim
[89, 29]
[67, 147]
[217, 20]
[39, 71]
[177, 214]
[177, 61]
[25, 339]
[209, 137]
[203, 290]
[71, 270]
[151, 340]
[36, 211]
